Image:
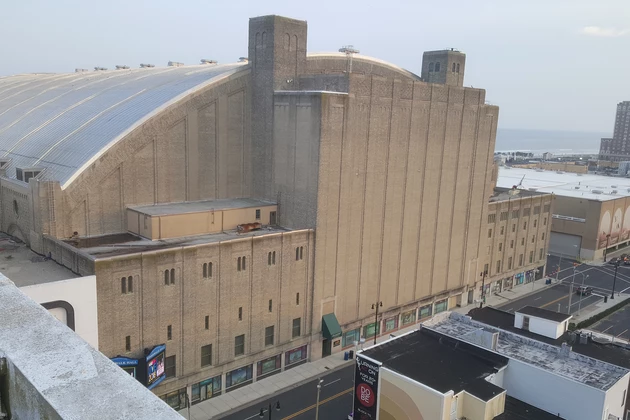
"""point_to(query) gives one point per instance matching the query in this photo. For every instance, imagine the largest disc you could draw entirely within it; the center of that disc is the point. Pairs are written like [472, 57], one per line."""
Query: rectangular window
[513, 227]
[370, 329]
[297, 327]
[206, 355]
[441, 306]
[239, 377]
[489, 233]
[623, 400]
[426, 311]
[512, 244]
[123, 285]
[542, 252]
[547, 208]
[500, 247]
[502, 229]
[533, 238]
[269, 335]
[537, 210]
[207, 322]
[515, 214]
[524, 225]
[522, 241]
[391, 323]
[270, 305]
[485, 268]
[543, 236]
[209, 269]
[535, 222]
[531, 257]
[545, 221]
[268, 366]
[169, 333]
[520, 260]
[238, 264]
[492, 218]
[349, 337]
[239, 345]
[408, 317]
[257, 214]
[170, 367]
[128, 343]
[296, 356]
[498, 266]
[130, 284]
[240, 313]
[297, 298]
[526, 211]
[509, 263]
[504, 216]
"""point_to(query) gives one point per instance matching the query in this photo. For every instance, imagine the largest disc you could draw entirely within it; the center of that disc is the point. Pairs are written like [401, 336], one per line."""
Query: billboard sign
[155, 366]
[128, 365]
[366, 389]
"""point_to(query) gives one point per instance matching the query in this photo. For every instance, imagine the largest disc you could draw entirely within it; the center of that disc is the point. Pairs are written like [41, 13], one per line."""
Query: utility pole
[319, 388]
[612, 294]
[483, 288]
[571, 288]
[376, 306]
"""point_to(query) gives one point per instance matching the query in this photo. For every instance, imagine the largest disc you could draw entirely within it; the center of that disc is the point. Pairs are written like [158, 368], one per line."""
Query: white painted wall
[615, 398]
[553, 393]
[545, 327]
[81, 294]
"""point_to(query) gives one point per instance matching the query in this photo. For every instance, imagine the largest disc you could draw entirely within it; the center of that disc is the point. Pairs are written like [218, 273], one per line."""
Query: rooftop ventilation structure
[349, 51]
[122, 67]
[243, 59]
[146, 66]
[597, 191]
[24, 174]
[175, 64]
[206, 61]
[613, 192]
[100, 68]
[80, 70]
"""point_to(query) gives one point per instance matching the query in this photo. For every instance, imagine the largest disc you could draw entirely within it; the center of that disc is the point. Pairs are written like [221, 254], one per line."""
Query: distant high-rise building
[617, 148]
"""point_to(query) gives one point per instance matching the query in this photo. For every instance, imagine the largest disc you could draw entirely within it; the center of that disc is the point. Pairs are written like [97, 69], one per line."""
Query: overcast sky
[549, 64]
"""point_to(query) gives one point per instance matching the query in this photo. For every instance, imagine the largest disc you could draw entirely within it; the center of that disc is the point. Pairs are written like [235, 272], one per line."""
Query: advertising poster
[155, 366]
[366, 389]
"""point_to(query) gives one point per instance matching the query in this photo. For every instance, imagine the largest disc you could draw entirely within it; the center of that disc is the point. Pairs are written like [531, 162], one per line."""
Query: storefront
[295, 357]
[176, 399]
[519, 278]
[540, 271]
[370, 329]
[408, 317]
[269, 366]
[206, 389]
[391, 324]
[441, 306]
[425, 311]
[496, 286]
[529, 276]
[238, 378]
[508, 283]
[350, 337]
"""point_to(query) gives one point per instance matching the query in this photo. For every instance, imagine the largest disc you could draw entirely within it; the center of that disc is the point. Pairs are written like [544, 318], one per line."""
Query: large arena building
[249, 215]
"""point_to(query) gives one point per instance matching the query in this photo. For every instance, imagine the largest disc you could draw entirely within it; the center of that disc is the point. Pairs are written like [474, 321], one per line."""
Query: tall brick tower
[277, 54]
[445, 67]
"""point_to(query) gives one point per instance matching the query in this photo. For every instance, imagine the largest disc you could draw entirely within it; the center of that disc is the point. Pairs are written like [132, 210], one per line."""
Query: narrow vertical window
[269, 258]
[166, 281]
[270, 305]
[172, 276]
[205, 270]
[244, 266]
[169, 333]
[431, 66]
[297, 253]
[273, 258]
[130, 284]
[128, 343]
[297, 298]
[209, 269]
[457, 70]
[207, 322]
[240, 313]
[257, 214]
[123, 285]
[453, 68]
[437, 66]
[301, 252]
[238, 264]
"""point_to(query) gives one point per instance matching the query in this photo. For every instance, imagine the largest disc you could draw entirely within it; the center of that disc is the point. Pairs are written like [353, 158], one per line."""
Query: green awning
[330, 326]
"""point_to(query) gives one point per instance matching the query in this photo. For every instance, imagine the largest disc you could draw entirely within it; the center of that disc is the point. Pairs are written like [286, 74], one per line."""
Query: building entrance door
[272, 218]
[326, 347]
[471, 296]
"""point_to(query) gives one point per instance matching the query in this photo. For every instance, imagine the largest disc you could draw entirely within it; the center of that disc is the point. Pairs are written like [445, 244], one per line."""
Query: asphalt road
[556, 298]
[616, 324]
[299, 403]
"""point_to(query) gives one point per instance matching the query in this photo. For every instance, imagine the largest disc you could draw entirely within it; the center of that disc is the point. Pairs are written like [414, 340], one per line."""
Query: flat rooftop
[201, 206]
[519, 410]
[440, 362]
[576, 367]
[543, 313]
[503, 194]
[565, 184]
[25, 267]
[127, 244]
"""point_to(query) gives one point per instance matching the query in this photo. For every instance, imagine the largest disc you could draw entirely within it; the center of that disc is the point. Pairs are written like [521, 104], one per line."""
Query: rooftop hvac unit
[597, 191]
[122, 67]
[80, 70]
[175, 64]
[533, 189]
[613, 186]
[243, 59]
[206, 61]
[100, 68]
[613, 192]
[144, 66]
[577, 187]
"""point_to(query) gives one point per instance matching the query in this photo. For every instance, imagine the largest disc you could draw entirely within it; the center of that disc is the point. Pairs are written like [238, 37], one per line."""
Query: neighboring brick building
[617, 148]
[371, 185]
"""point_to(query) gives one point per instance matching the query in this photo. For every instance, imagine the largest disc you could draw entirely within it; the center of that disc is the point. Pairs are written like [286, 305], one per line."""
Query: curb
[280, 391]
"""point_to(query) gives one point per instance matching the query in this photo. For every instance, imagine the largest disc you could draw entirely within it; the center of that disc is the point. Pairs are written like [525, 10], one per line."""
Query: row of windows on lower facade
[393, 323]
[235, 379]
[512, 281]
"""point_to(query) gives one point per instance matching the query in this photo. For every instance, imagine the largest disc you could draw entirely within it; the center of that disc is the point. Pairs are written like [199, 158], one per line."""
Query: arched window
[209, 269]
[238, 264]
[297, 253]
[273, 258]
[301, 252]
[431, 66]
[437, 66]
[205, 270]
[269, 258]
[166, 280]
[172, 276]
[130, 284]
[453, 68]
[457, 67]
[123, 285]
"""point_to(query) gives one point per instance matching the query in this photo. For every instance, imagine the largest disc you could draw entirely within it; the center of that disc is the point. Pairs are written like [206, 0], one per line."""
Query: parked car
[615, 260]
[584, 290]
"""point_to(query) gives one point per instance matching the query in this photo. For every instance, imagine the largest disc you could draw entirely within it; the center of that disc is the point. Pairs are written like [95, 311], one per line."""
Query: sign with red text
[366, 389]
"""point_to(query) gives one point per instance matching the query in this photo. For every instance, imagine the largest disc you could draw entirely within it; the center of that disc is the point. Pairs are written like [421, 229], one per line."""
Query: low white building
[541, 321]
[548, 377]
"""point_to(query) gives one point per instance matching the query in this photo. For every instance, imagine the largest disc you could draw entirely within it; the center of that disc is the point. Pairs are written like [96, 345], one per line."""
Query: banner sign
[366, 389]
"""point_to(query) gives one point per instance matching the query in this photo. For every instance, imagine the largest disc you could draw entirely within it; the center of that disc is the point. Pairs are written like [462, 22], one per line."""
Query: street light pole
[483, 288]
[571, 289]
[606, 249]
[262, 410]
[582, 293]
[319, 388]
[376, 306]
[612, 294]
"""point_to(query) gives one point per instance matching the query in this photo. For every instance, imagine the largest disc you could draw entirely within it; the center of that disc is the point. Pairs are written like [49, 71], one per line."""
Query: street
[335, 401]
[556, 298]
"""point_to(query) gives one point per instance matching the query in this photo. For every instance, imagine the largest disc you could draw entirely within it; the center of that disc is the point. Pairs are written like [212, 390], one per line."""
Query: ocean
[556, 142]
